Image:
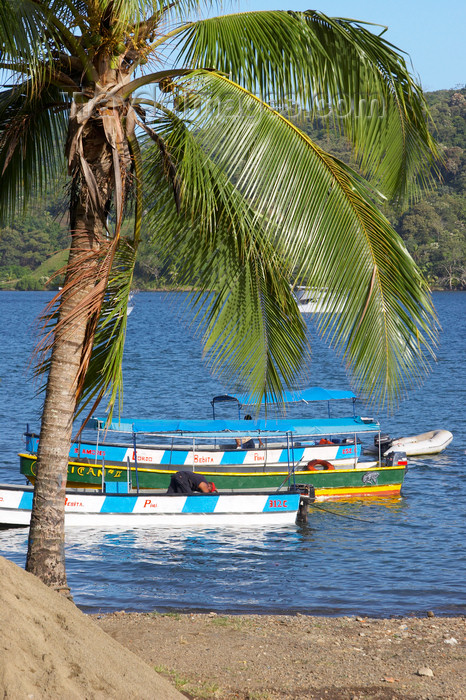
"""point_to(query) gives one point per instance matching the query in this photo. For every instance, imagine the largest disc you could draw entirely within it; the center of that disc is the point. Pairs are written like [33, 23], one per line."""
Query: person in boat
[247, 443]
[189, 482]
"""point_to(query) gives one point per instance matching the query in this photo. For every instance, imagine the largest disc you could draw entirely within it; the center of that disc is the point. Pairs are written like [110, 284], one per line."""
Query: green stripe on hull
[357, 480]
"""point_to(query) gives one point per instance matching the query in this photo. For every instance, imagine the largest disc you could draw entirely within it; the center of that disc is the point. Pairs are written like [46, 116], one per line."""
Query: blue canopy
[234, 428]
[313, 393]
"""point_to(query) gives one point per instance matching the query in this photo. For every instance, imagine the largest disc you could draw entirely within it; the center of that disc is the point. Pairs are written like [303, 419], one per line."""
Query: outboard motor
[384, 440]
[394, 459]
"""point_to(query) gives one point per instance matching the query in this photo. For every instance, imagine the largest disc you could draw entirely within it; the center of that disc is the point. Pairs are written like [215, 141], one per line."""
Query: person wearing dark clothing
[189, 482]
[247, 443]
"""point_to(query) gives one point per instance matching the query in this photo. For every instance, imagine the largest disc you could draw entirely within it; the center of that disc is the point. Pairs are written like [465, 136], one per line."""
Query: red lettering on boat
[278, 504]
[202, 459]
[73, 504]
[149, 504]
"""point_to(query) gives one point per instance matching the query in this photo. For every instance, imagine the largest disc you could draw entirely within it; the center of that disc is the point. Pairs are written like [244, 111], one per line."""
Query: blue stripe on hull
[233, 457]
[114, 454]
[281, 502]
[26, 501]
[113, 504]
[168, 455]
[200, 504]
[347, 451]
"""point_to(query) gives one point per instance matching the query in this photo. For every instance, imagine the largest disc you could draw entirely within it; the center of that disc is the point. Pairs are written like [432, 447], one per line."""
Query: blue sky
[432, 33]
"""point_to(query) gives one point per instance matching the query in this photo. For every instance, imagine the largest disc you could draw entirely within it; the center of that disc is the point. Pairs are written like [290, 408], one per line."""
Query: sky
[432, 33]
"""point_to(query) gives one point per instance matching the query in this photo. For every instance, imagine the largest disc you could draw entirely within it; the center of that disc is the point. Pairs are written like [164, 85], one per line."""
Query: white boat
[432, 442]
[314, 300]
[130, 306]
[124, 511]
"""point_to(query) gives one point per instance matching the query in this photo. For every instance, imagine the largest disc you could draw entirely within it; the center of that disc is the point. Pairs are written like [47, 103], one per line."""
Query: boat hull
[126, 511]
[367, 479]
[431, 443]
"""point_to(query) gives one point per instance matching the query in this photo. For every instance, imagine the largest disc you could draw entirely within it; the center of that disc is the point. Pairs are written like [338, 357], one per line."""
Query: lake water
[380, 558]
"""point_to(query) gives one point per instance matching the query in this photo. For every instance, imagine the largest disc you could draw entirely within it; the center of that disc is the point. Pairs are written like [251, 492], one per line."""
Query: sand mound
[50, 649]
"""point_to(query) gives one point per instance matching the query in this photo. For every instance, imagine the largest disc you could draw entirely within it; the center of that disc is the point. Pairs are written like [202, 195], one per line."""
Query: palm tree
[186, 123]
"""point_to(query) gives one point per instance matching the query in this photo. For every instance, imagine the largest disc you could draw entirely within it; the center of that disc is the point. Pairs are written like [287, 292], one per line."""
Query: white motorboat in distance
[314, 300]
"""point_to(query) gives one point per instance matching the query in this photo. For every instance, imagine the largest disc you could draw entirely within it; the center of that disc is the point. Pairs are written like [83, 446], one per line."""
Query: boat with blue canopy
[265, 453]
[305, 396]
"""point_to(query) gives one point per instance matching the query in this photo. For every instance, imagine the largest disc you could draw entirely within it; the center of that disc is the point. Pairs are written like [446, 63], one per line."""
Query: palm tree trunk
[46, 556]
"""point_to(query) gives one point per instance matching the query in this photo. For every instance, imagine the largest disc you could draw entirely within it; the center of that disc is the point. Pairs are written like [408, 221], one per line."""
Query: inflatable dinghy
[430, 443]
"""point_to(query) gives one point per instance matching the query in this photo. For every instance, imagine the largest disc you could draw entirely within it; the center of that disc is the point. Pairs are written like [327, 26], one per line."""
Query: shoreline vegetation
[57, 651]
[433, 228]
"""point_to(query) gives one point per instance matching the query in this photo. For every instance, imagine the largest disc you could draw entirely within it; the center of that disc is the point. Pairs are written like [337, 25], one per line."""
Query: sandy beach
[51, 650]
[270, 657]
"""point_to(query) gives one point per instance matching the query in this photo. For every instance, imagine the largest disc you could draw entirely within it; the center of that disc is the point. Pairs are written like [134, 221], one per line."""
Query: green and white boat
[323, 454]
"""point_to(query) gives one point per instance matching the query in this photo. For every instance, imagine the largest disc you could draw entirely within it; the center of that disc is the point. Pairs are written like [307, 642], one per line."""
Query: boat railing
[196, 444]
[109, 486]
[293, 443]
[173, 443]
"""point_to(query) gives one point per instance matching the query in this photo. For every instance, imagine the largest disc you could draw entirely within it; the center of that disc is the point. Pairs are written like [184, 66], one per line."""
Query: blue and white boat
[155, 510]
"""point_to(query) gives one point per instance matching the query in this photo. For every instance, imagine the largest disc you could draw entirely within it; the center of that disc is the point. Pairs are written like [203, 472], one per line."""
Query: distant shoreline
[183, 289]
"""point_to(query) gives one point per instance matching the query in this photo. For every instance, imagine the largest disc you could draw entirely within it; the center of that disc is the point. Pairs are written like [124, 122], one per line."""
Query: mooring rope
[340, 515]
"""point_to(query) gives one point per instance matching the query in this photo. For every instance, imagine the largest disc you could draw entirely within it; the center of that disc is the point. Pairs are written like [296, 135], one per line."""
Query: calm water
[379, 558]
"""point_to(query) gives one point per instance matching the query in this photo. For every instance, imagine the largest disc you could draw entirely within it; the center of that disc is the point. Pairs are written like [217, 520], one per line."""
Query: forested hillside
[434, 228]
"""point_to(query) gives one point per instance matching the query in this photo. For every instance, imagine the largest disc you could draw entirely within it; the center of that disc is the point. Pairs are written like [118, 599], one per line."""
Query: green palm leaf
[266, 187]
[329, 67]
[33, 128]
[21, 34]
[220, 245]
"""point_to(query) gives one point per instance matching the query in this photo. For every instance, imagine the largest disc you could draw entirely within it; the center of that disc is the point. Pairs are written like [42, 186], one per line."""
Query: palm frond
[330, 68]
[308, 212]
[32, 35]
[241, 282]
[32, 135]
[131, 12]
[103, 376]
[21, 33]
